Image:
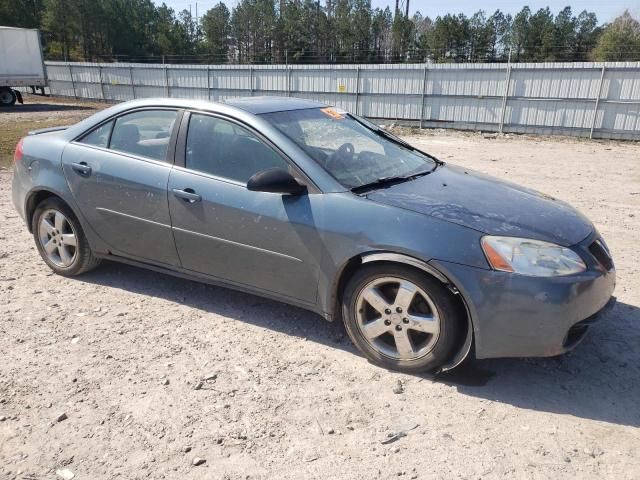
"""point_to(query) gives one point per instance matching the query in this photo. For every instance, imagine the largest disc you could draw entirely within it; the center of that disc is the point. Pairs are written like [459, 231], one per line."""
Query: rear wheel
[401, 318]
[7, 97]
[60, 239]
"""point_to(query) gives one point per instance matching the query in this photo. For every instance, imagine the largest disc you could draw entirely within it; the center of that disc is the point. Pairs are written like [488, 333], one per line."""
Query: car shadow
[600, 380]
[46, 107]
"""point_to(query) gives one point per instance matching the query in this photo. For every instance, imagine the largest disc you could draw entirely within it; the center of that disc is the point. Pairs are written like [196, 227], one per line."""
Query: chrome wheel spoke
[374, 329]
[65, 256]
[376, 300]
[423, 323]
[50, 247]
[69, 239]
[47, 226]
[406, 293]
[403, 343]
[59, 221]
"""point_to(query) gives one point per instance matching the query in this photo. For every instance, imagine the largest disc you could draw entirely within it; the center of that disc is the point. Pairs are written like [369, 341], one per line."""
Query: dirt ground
[124, 373]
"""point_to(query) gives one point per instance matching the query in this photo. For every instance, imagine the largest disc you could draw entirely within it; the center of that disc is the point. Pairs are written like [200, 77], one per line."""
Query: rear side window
[98, 137]
[224, 149]
[145, 133]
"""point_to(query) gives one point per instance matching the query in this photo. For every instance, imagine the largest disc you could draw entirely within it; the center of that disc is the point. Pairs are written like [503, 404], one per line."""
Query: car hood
[489, 205]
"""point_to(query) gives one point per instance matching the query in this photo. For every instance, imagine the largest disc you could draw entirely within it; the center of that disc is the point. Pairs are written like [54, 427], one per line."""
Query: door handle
[188, 195]
[82, 168]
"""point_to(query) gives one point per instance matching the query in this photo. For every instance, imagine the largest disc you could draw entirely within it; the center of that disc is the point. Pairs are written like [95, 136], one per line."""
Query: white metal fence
[598, 100]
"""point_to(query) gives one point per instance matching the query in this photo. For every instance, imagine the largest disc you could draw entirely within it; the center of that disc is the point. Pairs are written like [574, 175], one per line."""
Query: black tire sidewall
[14, 98]
[442, 298]
[82, 248]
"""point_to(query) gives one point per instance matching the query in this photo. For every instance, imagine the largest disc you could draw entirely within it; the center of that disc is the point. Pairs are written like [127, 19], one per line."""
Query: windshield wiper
[387, 181]
[390, 136]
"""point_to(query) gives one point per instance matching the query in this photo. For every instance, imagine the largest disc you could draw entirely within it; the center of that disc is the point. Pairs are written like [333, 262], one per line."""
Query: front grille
[601, 254]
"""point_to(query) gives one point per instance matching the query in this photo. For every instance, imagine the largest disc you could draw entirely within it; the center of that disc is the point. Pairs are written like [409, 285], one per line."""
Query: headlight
[531, 257]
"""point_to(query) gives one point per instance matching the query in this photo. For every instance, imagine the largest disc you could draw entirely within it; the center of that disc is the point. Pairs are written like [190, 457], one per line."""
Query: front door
[262, 240]
[118, 174]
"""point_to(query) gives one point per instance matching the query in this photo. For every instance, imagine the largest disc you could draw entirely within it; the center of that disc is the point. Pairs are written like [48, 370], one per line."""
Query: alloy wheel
[57, 238]
[397, 318]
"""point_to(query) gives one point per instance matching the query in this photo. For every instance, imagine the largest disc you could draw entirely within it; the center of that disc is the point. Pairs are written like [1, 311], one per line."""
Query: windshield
[354, 154]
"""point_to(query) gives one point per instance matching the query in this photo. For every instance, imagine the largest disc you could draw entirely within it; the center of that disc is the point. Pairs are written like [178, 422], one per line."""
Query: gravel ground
[125, 373]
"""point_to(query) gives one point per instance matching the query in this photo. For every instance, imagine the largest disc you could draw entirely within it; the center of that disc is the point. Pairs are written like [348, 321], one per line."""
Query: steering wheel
[344, 155]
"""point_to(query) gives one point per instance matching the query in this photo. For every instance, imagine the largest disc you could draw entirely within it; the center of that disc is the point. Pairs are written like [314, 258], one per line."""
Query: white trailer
[21, 63]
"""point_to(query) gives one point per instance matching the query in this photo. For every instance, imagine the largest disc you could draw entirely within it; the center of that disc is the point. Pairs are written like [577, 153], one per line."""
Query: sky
[606, 10]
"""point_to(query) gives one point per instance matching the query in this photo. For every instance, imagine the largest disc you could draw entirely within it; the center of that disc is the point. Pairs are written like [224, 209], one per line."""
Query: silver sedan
[305, 203]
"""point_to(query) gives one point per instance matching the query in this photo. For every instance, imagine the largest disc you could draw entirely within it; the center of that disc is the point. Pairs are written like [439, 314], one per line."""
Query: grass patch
[11, 132]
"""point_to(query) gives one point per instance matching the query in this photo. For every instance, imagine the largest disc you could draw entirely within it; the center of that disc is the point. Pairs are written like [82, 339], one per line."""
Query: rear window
[145, 133]
[98, 137]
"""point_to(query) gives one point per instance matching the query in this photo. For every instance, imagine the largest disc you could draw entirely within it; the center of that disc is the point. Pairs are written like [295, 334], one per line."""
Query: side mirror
[275, 180]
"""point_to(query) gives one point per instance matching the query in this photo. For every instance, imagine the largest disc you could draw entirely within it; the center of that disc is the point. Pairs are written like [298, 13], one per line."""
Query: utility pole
[407, 10]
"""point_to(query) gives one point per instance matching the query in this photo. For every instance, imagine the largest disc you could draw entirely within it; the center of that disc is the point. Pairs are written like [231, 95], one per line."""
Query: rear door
[118, 174]
[262, 240]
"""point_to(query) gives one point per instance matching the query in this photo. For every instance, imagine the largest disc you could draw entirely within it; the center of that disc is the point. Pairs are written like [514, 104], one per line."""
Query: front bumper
[520, 316]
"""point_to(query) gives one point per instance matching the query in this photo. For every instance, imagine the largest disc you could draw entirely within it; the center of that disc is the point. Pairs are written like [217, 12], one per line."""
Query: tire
[7, 97]
[378, 322]
[60, 239]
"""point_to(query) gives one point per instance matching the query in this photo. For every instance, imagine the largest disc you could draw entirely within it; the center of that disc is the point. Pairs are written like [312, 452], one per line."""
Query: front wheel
[60, 239]
[401, 318]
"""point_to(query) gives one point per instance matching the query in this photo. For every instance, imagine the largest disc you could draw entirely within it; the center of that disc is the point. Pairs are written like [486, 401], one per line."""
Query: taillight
[17, 156]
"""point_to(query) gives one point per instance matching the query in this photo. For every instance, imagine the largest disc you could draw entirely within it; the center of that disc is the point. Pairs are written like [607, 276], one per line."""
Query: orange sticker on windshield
[333, 113]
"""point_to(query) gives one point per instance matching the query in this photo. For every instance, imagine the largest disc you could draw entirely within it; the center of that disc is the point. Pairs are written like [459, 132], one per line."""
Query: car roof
[270, 104]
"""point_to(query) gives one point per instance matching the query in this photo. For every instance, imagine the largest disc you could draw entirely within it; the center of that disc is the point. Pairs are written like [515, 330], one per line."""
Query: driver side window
[223, 149]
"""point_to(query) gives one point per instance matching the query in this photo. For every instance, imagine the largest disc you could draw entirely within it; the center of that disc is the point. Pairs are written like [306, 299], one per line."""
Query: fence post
[166, 80]
[133, 88]
[251, 81]
[208, 82]
[101, 82]
[288, 80]
[504, 98]
[595, 108]
[73, 83]
[357, 87]
[424, 91]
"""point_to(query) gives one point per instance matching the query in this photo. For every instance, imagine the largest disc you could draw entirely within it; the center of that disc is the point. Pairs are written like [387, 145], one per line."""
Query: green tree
[449, 39]
[253, 25]
[381, 22]
[168, 35]
[565, 36]
[343, 30]
[500, 27]
[619, 41]
[216, 26]
[541, 40]
[361, 25]
[61, 21]
[480, 37]
[21, 13]
[520, 33]
[586, 36]
[402, 37]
